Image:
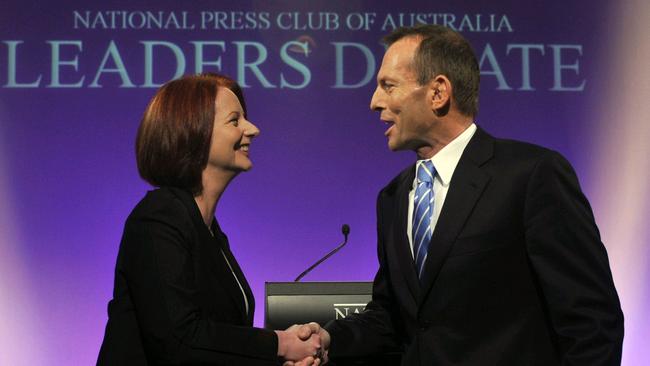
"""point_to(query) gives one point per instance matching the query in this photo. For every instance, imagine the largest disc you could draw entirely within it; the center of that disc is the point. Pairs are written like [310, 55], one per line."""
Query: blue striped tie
[422, 210]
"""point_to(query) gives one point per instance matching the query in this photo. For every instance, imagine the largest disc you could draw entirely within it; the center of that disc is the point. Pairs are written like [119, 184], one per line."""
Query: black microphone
[345, 229]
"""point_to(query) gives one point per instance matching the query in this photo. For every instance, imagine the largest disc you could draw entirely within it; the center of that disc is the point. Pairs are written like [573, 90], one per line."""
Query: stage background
[75, 78]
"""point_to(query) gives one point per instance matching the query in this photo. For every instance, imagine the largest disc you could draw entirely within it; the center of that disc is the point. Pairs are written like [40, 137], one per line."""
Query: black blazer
[516, 273]
[175, 300]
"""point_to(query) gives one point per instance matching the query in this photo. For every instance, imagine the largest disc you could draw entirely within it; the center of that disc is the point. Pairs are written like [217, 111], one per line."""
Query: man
[488, 250]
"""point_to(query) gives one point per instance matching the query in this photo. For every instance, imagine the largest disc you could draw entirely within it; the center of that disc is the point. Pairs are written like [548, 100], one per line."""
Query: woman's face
[232, 134]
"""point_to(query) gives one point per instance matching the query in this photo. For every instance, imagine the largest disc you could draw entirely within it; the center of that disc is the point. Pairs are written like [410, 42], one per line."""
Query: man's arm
[571, 266]
[373, 330]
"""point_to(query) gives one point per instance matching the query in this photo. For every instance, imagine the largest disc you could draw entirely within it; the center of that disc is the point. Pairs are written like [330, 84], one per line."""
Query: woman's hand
[300, 343]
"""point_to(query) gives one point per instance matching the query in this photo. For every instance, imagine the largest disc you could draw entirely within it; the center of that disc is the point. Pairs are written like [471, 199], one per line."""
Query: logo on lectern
[343, 310]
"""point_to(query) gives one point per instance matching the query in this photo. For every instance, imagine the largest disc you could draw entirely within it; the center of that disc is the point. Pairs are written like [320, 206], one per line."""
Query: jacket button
[424, 325]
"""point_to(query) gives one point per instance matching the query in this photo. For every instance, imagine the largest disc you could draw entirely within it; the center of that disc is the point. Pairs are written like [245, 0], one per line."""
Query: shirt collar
[447, 158]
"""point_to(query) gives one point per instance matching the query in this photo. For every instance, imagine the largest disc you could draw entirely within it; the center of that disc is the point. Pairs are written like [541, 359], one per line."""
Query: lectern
[288, 303]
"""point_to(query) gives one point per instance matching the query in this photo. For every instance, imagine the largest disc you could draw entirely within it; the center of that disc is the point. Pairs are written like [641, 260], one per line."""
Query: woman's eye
[235, 122]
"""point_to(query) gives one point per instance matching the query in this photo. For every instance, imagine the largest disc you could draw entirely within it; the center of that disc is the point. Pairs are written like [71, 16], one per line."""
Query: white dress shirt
[444, 162]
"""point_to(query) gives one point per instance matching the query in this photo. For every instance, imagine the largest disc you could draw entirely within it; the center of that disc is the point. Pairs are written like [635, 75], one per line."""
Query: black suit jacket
[516, 273]
[175, 299]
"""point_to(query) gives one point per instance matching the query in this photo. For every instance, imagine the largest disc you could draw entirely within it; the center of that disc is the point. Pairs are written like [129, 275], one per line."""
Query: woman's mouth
[243, 148]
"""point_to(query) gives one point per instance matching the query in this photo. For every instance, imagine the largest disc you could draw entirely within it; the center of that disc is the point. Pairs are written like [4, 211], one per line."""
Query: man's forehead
[399, 56]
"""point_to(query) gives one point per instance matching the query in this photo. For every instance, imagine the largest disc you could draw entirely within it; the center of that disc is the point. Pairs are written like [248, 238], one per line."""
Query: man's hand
[321, 357]
[300, 343]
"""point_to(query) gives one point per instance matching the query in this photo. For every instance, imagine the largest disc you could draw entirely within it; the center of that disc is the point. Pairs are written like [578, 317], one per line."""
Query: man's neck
[450, 129]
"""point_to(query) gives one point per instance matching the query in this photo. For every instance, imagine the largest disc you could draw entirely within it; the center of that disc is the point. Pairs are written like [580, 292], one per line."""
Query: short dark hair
[173, 141]
[444, 51]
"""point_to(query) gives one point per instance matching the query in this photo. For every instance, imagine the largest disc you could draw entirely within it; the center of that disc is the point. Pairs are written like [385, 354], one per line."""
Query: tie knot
[426, 171]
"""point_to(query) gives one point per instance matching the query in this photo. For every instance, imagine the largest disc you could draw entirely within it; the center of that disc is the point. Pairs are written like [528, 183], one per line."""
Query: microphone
[345, 229]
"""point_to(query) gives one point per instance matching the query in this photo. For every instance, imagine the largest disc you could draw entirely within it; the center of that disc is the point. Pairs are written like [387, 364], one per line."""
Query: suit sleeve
[373, 330]
[157, 261]
[571, 265]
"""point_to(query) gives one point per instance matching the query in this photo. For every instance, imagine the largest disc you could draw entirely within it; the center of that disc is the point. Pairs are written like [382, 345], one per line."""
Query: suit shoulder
[160, 205]
[397, 181]
[525, 152]
[524, 157]
[525, 149]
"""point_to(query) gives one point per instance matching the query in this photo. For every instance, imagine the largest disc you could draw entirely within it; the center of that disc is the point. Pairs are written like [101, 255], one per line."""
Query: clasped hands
[303, 345]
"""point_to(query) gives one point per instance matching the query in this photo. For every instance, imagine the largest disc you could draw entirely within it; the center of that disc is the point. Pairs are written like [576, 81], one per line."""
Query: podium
[289, 303]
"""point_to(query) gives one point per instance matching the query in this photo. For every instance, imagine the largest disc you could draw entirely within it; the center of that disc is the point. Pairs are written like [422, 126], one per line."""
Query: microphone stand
[345, 229]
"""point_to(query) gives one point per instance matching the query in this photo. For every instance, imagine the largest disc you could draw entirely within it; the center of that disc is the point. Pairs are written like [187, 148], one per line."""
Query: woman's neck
[214, 184]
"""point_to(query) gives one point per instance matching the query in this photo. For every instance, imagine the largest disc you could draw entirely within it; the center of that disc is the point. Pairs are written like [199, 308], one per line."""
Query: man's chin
[395, 146]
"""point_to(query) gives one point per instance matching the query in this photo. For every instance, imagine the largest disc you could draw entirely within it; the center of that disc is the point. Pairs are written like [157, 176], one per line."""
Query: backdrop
[75, 77]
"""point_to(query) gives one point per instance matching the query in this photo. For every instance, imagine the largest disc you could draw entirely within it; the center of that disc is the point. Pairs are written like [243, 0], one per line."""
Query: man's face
[399, 98]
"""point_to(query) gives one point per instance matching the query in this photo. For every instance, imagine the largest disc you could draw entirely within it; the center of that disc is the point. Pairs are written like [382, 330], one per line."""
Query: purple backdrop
[75, 78]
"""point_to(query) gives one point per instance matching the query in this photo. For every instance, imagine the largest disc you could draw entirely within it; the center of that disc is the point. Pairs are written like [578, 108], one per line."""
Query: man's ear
[439, 93]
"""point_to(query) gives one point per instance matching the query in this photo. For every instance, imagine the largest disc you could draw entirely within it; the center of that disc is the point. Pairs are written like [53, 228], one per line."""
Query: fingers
[324, 359]
[304, 332]
[325, 338]
[307, 361]
[294, 347]
[315, 327]
[304, 345]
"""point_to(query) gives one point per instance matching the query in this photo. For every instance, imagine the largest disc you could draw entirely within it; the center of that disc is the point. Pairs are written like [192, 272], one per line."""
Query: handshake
[303, 345]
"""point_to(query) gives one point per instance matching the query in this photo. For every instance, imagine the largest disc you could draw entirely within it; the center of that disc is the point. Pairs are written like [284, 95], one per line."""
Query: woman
[180, 296]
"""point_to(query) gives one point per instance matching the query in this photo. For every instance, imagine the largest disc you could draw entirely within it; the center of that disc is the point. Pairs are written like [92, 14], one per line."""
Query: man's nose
[376, 103]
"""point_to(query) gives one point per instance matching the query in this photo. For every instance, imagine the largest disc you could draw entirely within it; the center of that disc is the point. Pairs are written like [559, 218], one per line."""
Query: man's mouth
[390, 125]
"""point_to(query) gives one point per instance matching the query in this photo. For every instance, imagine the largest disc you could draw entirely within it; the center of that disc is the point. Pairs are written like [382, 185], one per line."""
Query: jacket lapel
[242, 279]
[214, 246]
[467, 184]
[400, 236]
[219, 245]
